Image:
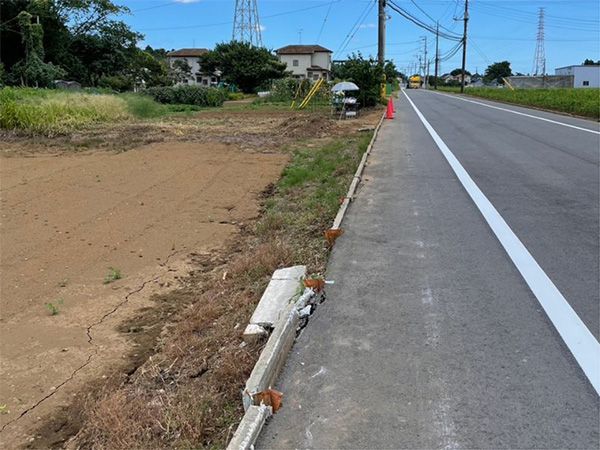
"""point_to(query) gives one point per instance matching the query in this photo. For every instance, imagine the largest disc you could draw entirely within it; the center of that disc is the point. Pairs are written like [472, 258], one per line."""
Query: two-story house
[190, 55]
[306, 61]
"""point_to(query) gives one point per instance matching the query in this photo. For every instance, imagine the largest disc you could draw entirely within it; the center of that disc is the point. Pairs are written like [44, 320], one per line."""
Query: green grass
[112, 275]
[54, 112]
[143, 107]
[581, 102]
[51, 111]
[307, 195]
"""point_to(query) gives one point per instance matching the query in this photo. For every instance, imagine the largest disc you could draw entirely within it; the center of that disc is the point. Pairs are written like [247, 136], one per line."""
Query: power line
[325, 20]
[420, 23]
[207, 25]
[355, 27]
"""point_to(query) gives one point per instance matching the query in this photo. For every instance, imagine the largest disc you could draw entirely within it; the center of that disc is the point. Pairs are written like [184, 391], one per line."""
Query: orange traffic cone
[390, 109]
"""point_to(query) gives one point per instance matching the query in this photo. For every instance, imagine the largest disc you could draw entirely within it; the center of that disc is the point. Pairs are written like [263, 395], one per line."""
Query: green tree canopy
[456, 72]
[83, 37]
[243, 64]
[391, 72]
[32, 70]
[367, 74]
[496, 71]
[590, 62]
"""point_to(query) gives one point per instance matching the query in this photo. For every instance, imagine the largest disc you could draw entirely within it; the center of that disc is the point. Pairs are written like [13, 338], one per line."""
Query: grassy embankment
[203, 361]
[580, 102]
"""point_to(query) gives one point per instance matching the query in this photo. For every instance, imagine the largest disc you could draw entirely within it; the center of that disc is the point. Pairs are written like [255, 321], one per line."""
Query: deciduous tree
[243, 64]
[496, 71]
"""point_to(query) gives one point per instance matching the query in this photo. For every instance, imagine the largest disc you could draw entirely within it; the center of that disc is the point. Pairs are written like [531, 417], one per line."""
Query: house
[306, 61]
[451, 78]
[583, 76]
[190, 55]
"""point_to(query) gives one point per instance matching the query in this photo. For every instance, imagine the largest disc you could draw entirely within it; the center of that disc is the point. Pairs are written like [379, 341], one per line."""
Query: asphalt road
[431, 337]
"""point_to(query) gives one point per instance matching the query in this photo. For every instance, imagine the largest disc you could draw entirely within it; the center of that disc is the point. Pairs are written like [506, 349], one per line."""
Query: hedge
[188, 95]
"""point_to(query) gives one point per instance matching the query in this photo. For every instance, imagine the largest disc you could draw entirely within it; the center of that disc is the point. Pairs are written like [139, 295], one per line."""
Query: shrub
[366, 73]
[119, 83]
[235, 96]
[187, 95]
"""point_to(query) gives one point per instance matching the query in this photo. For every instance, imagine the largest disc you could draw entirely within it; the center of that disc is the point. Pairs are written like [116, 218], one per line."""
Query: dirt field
[159, 201]
[66, 219]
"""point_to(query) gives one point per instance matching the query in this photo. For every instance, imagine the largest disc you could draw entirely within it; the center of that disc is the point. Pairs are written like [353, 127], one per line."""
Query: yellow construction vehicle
[414, 82]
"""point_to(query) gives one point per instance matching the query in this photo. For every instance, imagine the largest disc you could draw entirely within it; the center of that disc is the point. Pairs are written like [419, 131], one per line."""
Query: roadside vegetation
[580, 102]
[188, 394]
[53, 111]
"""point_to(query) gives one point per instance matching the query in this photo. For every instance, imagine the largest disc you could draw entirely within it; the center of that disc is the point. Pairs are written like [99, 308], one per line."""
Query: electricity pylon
[539, 60]
[246, 26]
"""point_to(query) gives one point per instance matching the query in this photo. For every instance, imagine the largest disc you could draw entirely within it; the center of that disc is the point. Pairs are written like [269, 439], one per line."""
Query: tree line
[80, 40]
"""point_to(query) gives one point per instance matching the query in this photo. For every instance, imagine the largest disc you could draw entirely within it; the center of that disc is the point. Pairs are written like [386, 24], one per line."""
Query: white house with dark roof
[306, 61]
[191, 55]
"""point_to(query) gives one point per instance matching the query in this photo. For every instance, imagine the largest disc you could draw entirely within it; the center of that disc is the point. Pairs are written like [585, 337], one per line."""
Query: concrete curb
[249, 428]
[356, 180]
[273, 356]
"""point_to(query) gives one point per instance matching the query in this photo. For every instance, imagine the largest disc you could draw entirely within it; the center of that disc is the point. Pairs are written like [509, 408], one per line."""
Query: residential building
[449, 78]
[190, 55]
[306, 61]
[583, 76]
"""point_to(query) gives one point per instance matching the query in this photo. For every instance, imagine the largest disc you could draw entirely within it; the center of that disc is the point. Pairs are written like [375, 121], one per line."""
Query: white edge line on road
[582, 344]
[520, 113]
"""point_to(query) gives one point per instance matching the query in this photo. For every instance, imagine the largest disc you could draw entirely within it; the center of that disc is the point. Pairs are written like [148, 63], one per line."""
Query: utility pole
[425, 63]
[464, 56]
[381, 36]
[437, 53]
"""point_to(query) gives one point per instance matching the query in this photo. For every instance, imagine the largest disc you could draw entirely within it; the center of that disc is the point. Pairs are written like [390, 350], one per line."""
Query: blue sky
[498, 30]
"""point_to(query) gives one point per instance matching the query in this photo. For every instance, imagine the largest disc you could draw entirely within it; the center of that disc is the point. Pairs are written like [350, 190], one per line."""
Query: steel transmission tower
[539, 60]
[246, 26]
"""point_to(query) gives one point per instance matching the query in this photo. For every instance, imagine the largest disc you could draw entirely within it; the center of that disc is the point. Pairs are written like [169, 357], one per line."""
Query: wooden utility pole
[381, 39]
[464, 59]
[437, 54]
[425, 63]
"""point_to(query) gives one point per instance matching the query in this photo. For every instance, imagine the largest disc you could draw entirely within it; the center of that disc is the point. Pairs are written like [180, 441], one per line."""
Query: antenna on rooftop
[246, 26]
[539, 60]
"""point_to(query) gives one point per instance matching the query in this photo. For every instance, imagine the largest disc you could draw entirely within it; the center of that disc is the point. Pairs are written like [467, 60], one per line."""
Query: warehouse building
[583, 76]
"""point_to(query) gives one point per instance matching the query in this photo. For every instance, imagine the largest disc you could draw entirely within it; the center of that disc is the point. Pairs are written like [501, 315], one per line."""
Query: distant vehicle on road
[414, 82]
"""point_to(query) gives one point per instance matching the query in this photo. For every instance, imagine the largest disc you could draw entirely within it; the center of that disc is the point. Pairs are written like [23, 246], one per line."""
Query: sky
[497, 30]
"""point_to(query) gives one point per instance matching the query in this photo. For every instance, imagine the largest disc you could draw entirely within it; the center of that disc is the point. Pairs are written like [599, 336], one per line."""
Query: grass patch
[143, 107]
[581, 102]
[51, 112]
[187, 396]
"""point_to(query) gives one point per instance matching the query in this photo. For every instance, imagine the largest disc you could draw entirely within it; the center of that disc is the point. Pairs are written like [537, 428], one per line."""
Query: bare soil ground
[167, 213]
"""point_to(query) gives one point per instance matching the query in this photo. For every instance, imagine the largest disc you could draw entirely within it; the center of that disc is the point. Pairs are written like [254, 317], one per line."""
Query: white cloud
[368, 25]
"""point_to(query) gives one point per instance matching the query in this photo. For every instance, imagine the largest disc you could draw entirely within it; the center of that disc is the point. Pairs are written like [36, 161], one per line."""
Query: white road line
[519, 113]
[583, 345]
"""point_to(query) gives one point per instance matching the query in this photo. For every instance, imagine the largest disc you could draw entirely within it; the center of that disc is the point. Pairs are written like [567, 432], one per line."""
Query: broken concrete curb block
[254, 333]
[249, 428]
[289, 273]
[274, 354]
[281, 291]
